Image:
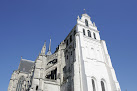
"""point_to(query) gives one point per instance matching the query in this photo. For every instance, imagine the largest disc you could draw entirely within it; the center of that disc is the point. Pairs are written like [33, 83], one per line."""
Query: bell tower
[93, 67]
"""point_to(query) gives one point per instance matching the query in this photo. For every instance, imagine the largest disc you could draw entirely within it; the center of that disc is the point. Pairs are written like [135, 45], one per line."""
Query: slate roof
[25, 65]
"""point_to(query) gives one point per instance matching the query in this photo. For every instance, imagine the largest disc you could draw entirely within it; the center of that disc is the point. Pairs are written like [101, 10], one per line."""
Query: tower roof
[25, 65]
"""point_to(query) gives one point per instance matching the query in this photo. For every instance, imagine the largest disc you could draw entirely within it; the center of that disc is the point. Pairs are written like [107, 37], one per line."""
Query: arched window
[37, 87]
[103, 86]
[94, 35]
[83, 31]
[20, 84]
[89, 33]
[86, 22]
[52, 74]
[93, 85]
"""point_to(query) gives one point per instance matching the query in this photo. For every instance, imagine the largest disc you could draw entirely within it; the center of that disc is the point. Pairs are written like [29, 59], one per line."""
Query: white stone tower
[80, 63]
[93, 69]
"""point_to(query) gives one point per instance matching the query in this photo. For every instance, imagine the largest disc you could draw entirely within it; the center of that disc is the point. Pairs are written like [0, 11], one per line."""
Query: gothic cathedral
[80, 63]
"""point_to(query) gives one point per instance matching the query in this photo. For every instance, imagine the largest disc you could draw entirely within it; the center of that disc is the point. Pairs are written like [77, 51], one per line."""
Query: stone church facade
[80, 63]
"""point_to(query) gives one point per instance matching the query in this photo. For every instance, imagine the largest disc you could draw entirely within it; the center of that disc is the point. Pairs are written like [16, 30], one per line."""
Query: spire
[49, 51]
[43, 49]
[50, 45]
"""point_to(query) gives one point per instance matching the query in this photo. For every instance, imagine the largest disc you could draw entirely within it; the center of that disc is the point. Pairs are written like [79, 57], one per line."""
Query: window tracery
[52, 62]
[20, 84]
[52, 74]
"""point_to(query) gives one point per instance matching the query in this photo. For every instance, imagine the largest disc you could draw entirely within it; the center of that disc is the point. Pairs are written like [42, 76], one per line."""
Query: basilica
[80, 63]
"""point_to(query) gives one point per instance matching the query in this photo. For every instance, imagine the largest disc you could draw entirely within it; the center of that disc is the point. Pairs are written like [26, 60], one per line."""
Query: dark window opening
[52, 75]
[94, 35]
[102, 86]
[89, 33]
[70, 38]
[67, 56]
[37, 87]
[74, 32]
[71, 52]
[67, 43]
[48, 76]
[83, 31]
[93, 85]
[86, 22]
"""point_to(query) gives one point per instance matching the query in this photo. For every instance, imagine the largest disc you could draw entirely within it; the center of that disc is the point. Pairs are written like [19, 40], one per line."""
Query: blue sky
[26, 24]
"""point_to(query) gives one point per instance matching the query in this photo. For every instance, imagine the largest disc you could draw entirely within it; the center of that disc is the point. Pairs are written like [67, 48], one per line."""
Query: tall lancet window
[89, 33]
[20, 84]
[86, 22]
[93, 85]
[103, 86]
[83, 31]
[94, 35]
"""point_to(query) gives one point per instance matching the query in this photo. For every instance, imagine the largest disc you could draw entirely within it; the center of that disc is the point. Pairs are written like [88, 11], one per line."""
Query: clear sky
[26, 24]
